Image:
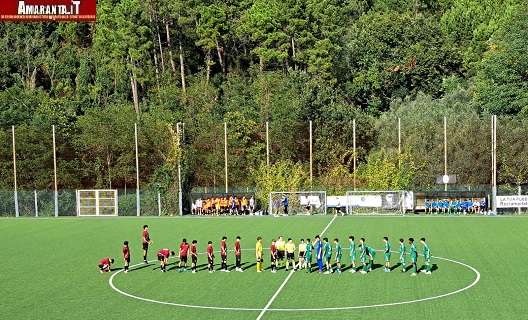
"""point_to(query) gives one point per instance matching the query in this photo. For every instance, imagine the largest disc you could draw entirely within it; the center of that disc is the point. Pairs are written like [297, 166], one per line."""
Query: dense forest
[286, 62]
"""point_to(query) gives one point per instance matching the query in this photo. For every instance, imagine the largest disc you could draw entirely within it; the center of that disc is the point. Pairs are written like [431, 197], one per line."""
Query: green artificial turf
[50, 272]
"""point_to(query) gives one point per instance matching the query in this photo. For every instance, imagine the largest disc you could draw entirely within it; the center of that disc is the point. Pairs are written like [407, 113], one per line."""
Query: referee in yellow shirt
[302, 254]
[258, 255]
[281, 246]
[290, 254]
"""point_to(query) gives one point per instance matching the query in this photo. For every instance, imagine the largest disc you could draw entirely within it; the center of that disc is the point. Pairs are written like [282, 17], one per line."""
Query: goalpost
[92, 203]
[375, 202]
[299, 202]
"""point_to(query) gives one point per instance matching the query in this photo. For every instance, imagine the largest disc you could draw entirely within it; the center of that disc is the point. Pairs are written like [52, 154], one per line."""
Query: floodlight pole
[267, 145]
[445, 151]
[354, 150]
[311, 156]
[494, 163]
[138, 202]
[225, 156]
[55, 194]
[399, 142]
[179, 132]
[36, 202]
[17, 214]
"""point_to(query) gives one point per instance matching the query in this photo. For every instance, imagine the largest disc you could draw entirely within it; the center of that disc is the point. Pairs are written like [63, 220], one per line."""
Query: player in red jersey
[210, 257]
[105, 264]
[238, 255]
[223, 254]
[146, 242]
[126, 255]
[273, 254]
[163, 258]
[184, 250]
[194, 256]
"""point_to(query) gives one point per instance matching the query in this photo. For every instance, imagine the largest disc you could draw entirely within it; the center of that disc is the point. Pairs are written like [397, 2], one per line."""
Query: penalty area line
[288, 278]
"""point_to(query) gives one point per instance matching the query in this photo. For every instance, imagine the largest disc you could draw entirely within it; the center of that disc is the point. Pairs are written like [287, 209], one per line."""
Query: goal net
[92, 203]
[375, 202]
[299, 202]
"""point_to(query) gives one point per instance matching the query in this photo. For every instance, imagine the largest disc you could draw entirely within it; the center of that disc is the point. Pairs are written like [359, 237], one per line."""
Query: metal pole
[138, 202]
[519, 193]
[311, 156]
[445, 150]
[399, 142]
[267, 145]
[56, 193]
[180, 193]
[36, 203]
[17, 214]
[494, 163]
[159, 204]
[354, 149]
[225, 155]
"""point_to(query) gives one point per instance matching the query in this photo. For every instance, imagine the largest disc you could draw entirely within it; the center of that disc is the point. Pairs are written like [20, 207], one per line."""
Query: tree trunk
[157, 69]
[161, 49]
[33, 79]
[155, 52]
[293, 53]
[133, 85]
[220, 52]
[108, 167]
[182, 68]
[173, 65]
[208, 63]
[261, 64]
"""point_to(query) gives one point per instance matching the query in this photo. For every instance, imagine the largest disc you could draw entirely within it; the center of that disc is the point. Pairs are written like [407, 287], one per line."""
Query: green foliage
[280, 176]
[502, 77]
[251, 62]
[386, 170]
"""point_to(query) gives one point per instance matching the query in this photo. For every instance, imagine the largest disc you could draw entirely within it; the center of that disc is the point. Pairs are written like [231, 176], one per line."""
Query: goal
[91, 203]
[299, 202]
[375, 202]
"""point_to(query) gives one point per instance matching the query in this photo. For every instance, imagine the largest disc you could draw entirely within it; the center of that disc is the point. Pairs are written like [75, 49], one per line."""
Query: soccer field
[50, 270]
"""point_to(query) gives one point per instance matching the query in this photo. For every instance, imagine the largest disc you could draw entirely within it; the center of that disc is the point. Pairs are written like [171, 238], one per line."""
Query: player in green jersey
[352, 252]
[327, 249]
[308, 256]
[363, 255]
[427, 257]
[414, 256]
[401, 251]
[338, 255]
[371, 253]
[387, 254]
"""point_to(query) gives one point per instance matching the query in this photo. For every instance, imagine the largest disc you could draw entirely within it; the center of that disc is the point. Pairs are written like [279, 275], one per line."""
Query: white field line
[288, 278]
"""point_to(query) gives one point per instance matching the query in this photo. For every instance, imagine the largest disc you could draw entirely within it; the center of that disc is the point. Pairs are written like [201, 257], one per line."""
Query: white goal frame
[400, 210]
[97, 200]
[271, 194]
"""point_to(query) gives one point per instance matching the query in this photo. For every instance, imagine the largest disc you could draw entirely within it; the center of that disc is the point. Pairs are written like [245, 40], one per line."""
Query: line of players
[282, 253]
[224, 205]
[455, 206]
